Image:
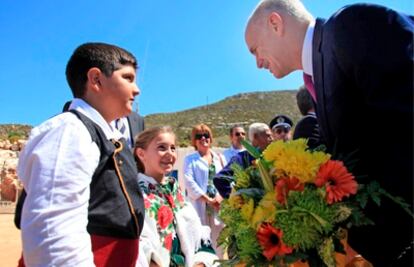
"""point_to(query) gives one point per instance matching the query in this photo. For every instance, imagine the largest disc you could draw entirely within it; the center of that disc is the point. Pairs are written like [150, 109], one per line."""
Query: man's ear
[275, 21]
[94, 78]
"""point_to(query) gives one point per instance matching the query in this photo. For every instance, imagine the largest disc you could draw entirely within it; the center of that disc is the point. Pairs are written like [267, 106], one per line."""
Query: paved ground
[10, 244]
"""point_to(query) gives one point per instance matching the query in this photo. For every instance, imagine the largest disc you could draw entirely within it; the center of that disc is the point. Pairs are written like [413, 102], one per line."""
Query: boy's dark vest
[116, 206]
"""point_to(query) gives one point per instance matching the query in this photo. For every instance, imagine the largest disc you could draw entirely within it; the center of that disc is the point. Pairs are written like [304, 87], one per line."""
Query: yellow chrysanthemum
[265, 211]
[293, 160]
[247, 210]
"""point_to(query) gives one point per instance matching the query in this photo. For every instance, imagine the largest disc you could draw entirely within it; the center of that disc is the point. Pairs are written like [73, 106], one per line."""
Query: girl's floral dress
[164, 203]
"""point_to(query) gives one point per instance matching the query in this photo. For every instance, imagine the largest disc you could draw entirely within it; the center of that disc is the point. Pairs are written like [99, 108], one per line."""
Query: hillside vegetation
[242, 109]
[14, 132]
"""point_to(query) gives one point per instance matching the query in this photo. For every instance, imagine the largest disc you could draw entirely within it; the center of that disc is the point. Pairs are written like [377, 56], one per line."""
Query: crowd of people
[97, 185]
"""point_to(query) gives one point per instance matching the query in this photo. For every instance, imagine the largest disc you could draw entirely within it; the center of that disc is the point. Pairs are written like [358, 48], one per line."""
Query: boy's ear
[94, 75]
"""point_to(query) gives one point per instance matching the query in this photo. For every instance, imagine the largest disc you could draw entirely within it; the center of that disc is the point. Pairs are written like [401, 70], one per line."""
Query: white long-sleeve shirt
[56, 168]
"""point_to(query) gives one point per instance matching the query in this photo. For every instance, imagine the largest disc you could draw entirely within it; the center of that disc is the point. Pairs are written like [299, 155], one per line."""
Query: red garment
[309, 85]
[110, 252]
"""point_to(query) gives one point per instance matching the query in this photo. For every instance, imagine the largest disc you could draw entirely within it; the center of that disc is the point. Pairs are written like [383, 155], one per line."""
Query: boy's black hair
[106, 57]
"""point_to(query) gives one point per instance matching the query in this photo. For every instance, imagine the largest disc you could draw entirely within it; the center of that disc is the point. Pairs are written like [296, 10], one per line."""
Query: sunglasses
[200, 136]
[281, 129]
[240, 134]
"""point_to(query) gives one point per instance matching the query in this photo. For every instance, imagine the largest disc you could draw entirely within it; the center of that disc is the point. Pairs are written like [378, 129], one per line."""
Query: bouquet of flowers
[290, 205]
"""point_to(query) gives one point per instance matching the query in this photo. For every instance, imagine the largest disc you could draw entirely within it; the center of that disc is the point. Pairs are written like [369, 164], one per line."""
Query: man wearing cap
[281, 126]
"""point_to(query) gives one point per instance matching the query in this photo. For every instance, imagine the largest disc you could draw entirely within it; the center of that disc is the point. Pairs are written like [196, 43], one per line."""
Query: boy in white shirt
[83, 205]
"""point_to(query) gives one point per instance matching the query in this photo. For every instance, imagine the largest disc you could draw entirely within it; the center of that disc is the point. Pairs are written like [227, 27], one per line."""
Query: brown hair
[144, 139]
[198, 129]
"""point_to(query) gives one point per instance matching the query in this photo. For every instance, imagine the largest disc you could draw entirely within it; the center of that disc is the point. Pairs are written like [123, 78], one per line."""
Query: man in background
[260, 136]
[307, 127]
[281, 126]
[237, 134]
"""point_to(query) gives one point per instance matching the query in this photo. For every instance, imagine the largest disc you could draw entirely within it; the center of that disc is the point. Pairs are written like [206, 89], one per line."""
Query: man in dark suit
[307, 127]
[136, 125]
[358, 67]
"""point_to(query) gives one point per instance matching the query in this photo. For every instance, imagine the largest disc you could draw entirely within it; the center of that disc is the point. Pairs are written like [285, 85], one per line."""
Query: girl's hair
[199, 129]
[144, 139]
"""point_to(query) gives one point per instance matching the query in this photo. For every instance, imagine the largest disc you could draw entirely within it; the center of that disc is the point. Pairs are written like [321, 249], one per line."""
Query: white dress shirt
[56, 168]
[307, 50]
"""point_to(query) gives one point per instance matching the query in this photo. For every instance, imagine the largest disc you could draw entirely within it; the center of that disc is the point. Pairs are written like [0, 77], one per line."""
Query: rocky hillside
[241, 109]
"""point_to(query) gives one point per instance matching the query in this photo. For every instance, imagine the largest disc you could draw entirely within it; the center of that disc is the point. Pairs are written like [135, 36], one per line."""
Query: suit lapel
[132, 120]
[318, 76]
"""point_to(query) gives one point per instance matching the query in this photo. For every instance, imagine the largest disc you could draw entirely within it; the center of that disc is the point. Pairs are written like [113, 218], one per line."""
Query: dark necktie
[309, 85]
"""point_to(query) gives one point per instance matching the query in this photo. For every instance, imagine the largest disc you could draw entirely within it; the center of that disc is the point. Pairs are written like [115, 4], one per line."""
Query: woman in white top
[199, 171]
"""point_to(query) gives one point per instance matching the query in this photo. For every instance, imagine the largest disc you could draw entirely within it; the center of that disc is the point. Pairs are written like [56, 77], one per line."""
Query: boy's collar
[86, 109]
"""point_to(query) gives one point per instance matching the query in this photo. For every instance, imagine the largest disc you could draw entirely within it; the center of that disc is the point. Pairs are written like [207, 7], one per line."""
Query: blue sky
[190, 53]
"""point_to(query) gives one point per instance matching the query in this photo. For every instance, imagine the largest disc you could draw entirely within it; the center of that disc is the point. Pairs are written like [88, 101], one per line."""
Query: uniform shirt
[56, 168]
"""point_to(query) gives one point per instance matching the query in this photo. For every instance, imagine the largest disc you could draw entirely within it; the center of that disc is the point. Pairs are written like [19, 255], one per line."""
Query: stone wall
[10, 186]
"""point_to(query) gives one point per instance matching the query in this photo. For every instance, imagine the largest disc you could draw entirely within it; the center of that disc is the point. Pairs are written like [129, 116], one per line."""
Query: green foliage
[241, 178]
[239, 237]
[308, 219]
[327, 252]
[14, 132]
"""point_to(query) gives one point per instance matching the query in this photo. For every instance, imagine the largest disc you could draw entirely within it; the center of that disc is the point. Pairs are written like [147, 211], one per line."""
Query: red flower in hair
[270, 239]
[337, 180]
[165, 216]
[284, 185]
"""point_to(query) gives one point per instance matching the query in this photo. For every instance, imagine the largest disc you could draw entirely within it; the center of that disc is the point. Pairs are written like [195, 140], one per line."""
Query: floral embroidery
[165, 216]
[168, 242]
[162, 201]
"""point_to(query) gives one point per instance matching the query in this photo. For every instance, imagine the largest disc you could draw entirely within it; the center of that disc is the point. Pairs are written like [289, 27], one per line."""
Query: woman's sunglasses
[240, 134]
[200, 136]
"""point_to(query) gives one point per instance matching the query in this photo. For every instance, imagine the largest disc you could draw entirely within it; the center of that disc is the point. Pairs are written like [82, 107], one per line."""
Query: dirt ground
[10, 244]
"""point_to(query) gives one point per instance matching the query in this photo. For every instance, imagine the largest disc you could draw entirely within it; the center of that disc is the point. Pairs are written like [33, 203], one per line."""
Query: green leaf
[251, 149]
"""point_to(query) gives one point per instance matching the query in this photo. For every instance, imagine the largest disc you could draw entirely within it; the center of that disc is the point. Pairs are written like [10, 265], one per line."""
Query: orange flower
[337, 180]
[284, 185]
[270, 239]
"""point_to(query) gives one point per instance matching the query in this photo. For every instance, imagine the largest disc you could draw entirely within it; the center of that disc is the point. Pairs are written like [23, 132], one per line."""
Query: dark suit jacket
[136, 124]
[363, 75]
[308, 127]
